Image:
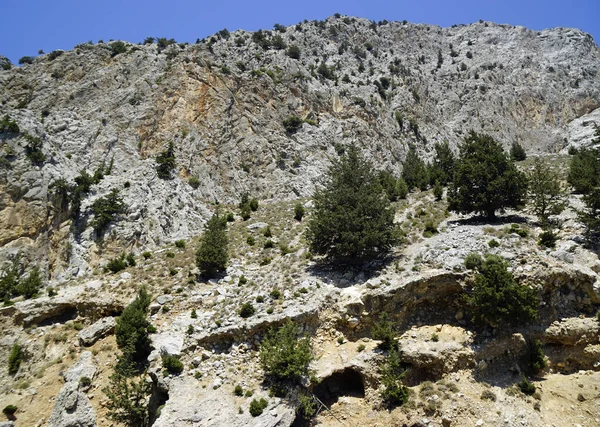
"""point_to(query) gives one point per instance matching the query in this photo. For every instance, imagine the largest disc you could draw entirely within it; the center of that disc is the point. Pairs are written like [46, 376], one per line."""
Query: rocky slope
[222, 102]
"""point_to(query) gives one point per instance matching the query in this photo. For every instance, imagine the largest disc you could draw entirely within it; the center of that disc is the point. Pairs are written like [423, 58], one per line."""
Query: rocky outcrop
[100, 329]
[72, 407]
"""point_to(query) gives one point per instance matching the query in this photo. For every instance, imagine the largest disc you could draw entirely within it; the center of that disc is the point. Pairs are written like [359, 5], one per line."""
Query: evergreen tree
[590, 215]
[584, 171]
[128, 399]
[517, 152]
[212, 255]
[442, 168]
[132, 334]
[497, 299]
[352, 220]
[165, 162]
[414, 171]
[546, 195]
[485, 179]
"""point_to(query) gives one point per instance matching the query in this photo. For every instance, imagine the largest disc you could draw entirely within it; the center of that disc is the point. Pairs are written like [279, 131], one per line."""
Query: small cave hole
[345, 383]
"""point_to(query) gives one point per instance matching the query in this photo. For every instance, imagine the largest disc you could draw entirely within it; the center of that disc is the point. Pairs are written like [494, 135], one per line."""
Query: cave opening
[345, 383]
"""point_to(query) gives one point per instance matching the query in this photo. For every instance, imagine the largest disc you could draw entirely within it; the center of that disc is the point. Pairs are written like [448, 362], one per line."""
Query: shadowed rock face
[223, 104]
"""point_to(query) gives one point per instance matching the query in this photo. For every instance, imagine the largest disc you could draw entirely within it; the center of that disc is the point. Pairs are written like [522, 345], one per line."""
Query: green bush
[473, 261]
[117, 48]
[9, 411]
[493, 243]
[275, 294]
[590, 215]
[147, 255]
[438, 191]
[283, 355]
[30, 286]
[584, 170]
[172, 364]
[106, 210]
[545, 194]
[247, 310]
[9, 280]
[383, 331]
[253, 203]
[14, 359]
[536, 355]
[294, 52]
[292, 124]
[194, 182]
[414, 171]
[85, 382]
[26, 60]
[117, 264]
[526, 386]
[33, 150]
[325, 71]
[238, 390]
[497, 299]
[180, 244]
[128, 400]
[8, 126]
[165, 162]
[212, 254]
[352, 220]
[258, 406]
[298, 211]
[132, 333]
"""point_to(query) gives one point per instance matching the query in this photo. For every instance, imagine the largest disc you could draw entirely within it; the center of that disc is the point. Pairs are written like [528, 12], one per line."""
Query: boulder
[100, 329]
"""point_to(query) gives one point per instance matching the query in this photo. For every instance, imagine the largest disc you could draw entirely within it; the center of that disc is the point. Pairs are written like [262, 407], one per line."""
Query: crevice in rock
[63, 316]
[158, 398]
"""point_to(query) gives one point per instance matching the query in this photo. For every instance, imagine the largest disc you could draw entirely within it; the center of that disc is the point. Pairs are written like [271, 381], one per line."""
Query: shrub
[33, 150]
[212, 255]
[9, 411]
[251, 241]
[172, 364]
[292, 124]
[517, 152]
[14, 359]
[26, 60]
[8, 126]
[352, 220]
[132, 333]
[130, 258]
[238, 390]
[147, 255]
[117, 264]
[165, 162]
[117, 48]
[298, 211]
[526, 386]
[499, 184]
[180, 244]
[493, 243]
[294, 52]
[325, 71]
[247, 310]
[253, 203]
[30, 286]
[85, 382]
[488, 395]
[497, 299]
[414, 171]
[536, 355]
[106, 210]
[258, 406]
[473, 261]
[283, 355]
[230, 217]
[194, 182]
[275, 294]
[384, 332]
[590, 215]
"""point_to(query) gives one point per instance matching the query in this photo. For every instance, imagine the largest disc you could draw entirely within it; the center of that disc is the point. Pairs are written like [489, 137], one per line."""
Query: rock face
[100, 329]
[222, 102]
[72, 407]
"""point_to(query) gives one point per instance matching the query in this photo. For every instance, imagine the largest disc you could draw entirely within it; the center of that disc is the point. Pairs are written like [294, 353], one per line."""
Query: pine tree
[485, 179]
[352, 220]
[414, 171]
[165, 162]
[132, 334]
[212, 255]
[546, 194]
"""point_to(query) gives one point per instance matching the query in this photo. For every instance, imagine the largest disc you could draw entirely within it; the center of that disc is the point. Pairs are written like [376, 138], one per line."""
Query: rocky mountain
[222, 102]
[264, 113]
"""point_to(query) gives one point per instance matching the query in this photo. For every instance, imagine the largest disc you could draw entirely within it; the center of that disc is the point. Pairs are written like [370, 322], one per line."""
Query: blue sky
[30, 25]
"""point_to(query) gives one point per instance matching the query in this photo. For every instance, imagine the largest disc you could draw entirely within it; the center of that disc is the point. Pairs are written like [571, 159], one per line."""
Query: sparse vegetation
[14, 359]
[106, 210]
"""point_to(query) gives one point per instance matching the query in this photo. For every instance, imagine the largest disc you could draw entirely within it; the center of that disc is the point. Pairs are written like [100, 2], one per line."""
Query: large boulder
[100, 329]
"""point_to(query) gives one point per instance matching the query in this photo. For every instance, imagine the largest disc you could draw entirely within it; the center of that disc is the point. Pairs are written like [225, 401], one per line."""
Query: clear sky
[27, 26]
